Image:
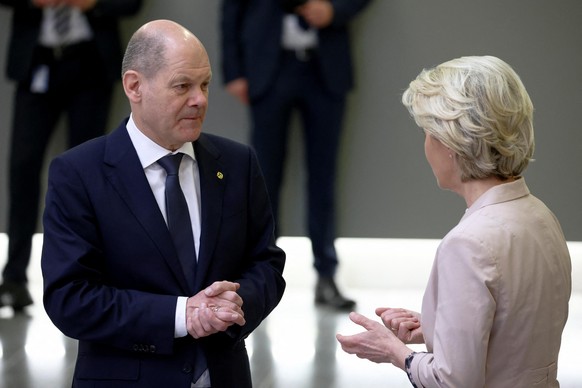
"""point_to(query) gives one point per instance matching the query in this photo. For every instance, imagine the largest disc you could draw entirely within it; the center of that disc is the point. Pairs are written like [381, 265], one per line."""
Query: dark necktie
[178, 217]
[180, 228]
[62, 20]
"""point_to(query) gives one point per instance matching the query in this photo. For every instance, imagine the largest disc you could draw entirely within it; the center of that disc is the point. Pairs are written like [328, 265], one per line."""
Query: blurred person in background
[282, 56]
[64, 56]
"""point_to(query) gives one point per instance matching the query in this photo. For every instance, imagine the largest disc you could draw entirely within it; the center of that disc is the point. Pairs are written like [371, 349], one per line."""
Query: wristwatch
[407, 364]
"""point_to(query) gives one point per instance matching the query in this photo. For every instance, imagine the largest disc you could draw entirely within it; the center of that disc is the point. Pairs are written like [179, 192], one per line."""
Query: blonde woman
[497, 298]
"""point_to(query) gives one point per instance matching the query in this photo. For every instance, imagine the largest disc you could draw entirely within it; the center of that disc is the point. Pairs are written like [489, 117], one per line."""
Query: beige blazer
[497, 297]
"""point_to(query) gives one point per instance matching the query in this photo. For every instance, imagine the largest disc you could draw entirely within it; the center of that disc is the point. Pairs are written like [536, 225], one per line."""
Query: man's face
[174, 102]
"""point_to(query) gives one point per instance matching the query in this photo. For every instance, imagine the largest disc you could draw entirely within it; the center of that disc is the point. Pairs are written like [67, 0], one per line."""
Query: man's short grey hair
[145, 53]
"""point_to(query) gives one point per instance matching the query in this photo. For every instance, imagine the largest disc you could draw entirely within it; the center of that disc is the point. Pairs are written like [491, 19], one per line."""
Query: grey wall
[386, 188]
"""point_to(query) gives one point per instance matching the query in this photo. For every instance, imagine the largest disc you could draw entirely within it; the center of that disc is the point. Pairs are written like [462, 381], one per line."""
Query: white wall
[386, 189]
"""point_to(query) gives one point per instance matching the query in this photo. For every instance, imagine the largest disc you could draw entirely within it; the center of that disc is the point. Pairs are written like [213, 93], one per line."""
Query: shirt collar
[501, 193]
[148, 151]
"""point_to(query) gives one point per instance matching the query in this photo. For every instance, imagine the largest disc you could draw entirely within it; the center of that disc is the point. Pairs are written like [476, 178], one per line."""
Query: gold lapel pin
[219, 175]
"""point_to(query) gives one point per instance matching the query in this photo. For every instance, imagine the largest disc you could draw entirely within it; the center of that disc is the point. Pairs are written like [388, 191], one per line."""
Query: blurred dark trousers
[299, 88]
[79, 91]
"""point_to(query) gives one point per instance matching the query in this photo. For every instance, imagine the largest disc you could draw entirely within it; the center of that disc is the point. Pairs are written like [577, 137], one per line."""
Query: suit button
[187, 368]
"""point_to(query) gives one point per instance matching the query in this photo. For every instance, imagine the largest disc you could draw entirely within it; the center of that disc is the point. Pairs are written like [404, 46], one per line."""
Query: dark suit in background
[78, 82]
[314, 82]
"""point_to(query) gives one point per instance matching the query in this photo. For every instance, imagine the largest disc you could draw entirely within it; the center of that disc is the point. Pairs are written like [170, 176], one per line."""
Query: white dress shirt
[294, 37]
[149, 153]
[79, 30]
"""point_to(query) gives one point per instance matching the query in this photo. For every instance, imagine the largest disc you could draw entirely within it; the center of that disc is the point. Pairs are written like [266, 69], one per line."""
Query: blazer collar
[500, 193]
[125, 173]
[213, 178]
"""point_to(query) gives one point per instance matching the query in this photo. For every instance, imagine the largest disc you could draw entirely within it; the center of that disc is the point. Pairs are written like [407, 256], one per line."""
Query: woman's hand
[377, 344]
[405, 324]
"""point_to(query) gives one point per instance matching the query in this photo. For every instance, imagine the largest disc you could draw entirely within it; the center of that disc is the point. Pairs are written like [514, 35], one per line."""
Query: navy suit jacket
[112, 275]
[251, 44]
[103, 19]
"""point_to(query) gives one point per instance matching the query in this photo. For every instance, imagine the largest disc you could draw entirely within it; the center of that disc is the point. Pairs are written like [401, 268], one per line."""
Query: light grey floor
[295, 347]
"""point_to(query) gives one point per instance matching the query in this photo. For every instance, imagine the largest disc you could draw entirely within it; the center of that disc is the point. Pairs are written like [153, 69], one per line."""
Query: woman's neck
[473, 189]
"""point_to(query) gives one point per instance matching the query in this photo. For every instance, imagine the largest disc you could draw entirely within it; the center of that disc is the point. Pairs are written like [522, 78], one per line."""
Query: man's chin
[190, 133]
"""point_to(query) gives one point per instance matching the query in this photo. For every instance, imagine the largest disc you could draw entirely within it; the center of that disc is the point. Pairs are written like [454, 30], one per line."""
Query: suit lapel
[212, 184]
[126, 175]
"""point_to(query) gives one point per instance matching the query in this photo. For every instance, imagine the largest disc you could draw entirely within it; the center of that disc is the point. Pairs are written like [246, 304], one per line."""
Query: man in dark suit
[281, 56]
[64, 56]
[113, 274]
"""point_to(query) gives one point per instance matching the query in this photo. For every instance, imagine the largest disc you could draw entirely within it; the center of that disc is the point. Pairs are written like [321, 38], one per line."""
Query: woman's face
[442, 161]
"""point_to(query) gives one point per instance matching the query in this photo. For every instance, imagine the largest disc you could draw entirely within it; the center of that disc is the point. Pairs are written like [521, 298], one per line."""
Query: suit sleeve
[17, 3]
[231, 21]
[116, 8]
[346, 10]
[465, 308]
[78, 297]
[102, 7]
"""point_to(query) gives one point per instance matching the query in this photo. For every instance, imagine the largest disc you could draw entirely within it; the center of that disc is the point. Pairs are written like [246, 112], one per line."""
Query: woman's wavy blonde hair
[479, 108]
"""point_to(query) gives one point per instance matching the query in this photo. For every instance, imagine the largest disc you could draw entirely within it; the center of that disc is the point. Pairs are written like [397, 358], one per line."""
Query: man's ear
[132, 85]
